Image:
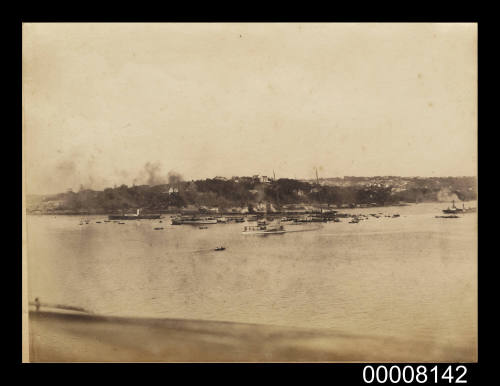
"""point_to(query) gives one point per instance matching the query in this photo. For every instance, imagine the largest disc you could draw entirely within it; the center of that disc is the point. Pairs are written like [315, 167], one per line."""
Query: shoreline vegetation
[257, 194]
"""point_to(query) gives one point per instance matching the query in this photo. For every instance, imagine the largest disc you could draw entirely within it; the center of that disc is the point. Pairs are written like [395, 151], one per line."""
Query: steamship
[264, 228]
[455, 210]
[136, 216]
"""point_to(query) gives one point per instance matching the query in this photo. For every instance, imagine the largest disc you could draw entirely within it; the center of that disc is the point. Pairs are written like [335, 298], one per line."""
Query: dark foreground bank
[65, 337]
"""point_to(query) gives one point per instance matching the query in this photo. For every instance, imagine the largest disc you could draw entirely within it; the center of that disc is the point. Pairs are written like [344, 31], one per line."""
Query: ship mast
[277, 194]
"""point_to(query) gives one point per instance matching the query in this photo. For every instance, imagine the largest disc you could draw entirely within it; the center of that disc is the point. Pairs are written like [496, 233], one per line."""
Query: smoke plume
[174, 178]
[447, 195]
[151, 175]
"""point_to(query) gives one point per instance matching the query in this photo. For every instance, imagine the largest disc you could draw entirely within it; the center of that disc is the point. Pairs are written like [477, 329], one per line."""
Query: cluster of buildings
[193, 209]
[254, 178]
[398, 184]
[263, 207]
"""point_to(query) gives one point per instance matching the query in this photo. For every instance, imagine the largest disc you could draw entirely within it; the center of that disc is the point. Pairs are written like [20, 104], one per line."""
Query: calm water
[413, 276]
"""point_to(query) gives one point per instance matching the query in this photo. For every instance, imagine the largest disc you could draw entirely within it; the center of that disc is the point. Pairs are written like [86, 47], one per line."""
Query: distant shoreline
[180, 210]
[254, 195]
[212, 214]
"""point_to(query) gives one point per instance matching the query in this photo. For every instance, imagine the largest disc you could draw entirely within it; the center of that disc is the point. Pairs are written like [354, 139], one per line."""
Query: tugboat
[137, 216]
[455, 210]
[468, 210]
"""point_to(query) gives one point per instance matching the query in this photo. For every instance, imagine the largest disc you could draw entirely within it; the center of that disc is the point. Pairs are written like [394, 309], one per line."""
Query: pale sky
[101, 101]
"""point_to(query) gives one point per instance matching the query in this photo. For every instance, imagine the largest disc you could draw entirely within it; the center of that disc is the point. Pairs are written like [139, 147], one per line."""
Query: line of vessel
[193, 220]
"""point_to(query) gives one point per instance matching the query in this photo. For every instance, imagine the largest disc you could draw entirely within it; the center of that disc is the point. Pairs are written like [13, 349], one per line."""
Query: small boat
[221, 248]
[121, 223]
[158, 229]
[395, 215]
[203, 227]
[449, 216]
[98, 222]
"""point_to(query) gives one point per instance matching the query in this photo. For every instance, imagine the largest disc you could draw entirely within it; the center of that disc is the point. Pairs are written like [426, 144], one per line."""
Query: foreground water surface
[413, 277]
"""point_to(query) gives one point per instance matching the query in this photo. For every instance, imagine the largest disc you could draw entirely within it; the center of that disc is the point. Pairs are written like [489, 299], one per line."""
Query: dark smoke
[153, 172]
[152, 175]
[174, 178]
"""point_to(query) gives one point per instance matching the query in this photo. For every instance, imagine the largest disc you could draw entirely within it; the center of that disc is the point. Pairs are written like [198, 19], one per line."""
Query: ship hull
[193, 222]
[452, 211]
[263, 232]
[141, 217]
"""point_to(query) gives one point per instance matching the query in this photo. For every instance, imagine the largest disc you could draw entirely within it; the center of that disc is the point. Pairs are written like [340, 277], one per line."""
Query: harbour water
[414, 276]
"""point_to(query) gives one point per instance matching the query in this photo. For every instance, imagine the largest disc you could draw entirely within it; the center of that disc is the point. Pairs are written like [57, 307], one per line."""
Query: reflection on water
[412, 276]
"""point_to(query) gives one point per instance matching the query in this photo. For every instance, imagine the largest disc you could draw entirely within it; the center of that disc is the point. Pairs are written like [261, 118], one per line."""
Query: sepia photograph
[249, 192]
